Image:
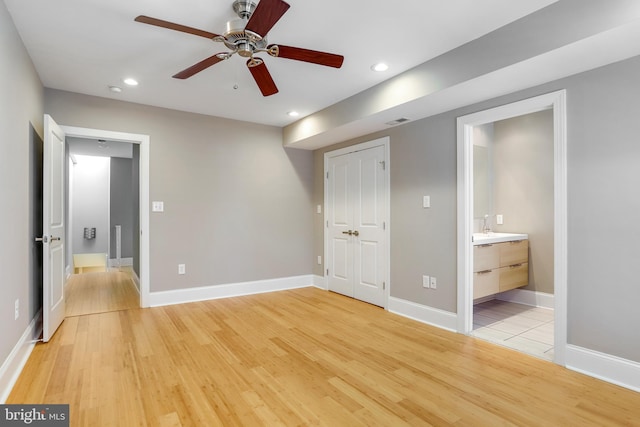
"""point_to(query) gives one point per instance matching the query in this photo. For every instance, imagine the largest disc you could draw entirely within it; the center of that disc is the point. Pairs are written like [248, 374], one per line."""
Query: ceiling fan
[246, 36]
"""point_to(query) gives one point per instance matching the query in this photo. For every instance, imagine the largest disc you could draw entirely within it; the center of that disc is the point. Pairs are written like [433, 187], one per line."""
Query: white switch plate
[425, 282]
[433, 283]
[319, 260]
[499, 220]
[157, 206]
[426, 201]
[182, 269]
[17, 307]
[319, 209]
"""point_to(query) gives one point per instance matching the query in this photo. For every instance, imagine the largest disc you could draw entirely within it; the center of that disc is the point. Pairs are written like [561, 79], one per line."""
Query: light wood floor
[301, 357]
[90, 293]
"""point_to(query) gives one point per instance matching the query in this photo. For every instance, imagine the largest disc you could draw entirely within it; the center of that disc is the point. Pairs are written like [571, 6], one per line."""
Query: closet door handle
[356, 233]
[349, 232]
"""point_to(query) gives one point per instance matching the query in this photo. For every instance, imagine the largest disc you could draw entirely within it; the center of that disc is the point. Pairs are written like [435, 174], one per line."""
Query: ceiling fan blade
[306, 55]
[194, 69]
[177, 27]
[267, 13]
[262, 77]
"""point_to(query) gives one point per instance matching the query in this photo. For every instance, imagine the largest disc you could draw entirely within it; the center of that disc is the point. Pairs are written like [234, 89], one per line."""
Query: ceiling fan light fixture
[379, 67]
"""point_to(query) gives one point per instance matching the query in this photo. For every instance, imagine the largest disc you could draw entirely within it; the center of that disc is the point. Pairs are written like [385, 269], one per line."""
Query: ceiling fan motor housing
[245, 43]
[244, 8]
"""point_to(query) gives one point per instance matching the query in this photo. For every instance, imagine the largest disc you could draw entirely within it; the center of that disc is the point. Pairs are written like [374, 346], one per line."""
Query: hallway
[91, 293]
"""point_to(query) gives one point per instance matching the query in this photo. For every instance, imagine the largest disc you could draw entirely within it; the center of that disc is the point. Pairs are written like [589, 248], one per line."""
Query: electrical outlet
[17, 307]
[182, 269]
[499, 219]
[425, 282]
[433, 283]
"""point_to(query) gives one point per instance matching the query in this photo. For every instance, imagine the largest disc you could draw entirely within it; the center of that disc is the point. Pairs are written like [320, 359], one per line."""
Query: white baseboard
[606, 367]
[124, 262]
[523, 296]
[319, 282]
[136, 280]
[204, 293]
[12, 366]
[422, 313]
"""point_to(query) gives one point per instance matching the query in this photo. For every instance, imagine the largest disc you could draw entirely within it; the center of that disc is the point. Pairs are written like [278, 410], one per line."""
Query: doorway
[102, 225]
[356, 221]
[141, 146]
[554, 102]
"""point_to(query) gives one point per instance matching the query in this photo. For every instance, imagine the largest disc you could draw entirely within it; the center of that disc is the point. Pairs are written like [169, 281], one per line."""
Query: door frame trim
[557, 102]
[384, 142]
[143, 141]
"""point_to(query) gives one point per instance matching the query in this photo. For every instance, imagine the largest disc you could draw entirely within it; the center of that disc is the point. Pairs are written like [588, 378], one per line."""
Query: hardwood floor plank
[301, 357]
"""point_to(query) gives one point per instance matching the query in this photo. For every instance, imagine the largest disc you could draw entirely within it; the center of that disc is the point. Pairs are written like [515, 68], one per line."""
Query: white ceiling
[86, 45]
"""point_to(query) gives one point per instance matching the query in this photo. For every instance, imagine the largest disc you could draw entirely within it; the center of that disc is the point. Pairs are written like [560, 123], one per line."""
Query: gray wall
[122, 205]
[20, 131]
[523, 188]
[90, 204]
[603, 206]
[237, 204]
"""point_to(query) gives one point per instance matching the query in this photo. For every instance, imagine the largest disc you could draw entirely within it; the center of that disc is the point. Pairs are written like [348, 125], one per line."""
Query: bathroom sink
[487, 238]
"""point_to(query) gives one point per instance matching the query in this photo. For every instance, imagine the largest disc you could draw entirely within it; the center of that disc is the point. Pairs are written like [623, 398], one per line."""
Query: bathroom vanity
[500, 262]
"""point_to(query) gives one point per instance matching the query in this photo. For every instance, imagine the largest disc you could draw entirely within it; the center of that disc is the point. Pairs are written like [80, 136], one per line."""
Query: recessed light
[115, 89]
[380, 66]
[293, 114]
[131, 82]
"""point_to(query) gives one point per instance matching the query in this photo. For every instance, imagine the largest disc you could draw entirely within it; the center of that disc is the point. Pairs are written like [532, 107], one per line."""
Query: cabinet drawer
[513, 276]
[485, 283]
[486, 257]
[516, 252]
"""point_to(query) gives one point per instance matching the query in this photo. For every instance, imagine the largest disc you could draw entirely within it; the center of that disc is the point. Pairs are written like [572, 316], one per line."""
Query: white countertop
[491, 237]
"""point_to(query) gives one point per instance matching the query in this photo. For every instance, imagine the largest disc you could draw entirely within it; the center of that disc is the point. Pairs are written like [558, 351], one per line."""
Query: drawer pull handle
[515, 242]
[484, 272]
[486, 245]
[516, 265]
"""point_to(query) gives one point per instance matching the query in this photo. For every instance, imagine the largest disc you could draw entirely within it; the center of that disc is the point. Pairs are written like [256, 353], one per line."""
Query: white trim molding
[526, 297]
[13, 365]
[124, 262]
[616, 370]
[320, 282]
[181, 296]
[424, 314]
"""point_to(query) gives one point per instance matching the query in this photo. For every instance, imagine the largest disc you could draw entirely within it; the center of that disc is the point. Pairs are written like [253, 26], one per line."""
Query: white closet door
[356, 226]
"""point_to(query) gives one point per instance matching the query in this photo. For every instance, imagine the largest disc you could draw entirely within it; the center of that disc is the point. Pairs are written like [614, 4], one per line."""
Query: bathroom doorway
[502, 205]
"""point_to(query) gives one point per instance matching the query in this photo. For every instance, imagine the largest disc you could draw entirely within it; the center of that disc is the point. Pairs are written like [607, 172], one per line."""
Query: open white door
[53, 229]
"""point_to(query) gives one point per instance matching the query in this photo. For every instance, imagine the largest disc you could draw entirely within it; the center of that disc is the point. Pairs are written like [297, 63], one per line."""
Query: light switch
[319, 209]
[157, 206]
[426, 201]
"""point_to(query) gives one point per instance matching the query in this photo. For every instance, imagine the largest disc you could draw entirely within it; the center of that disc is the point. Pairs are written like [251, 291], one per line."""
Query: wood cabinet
[499, 267]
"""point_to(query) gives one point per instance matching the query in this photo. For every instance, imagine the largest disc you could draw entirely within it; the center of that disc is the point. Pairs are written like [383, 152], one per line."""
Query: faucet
[486, 228]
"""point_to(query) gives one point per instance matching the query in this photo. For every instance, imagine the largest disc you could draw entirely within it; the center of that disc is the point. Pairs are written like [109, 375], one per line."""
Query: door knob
[356, 233]
[349, 232]
[43, 239]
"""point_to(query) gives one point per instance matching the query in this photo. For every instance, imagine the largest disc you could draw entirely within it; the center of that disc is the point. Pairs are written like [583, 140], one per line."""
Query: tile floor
[521, 327]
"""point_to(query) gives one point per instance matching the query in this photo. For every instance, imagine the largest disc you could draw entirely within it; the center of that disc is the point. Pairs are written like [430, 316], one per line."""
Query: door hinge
[384, 285]
[327, 223]
[384, 225]
[384, 164]
[327, 272]
[327, 175]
